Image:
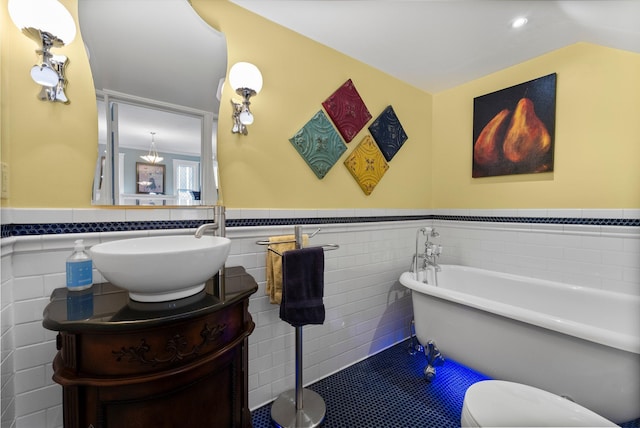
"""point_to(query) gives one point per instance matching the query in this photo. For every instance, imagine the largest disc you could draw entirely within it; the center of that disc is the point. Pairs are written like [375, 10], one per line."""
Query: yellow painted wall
[51, 149]
[263, 169]
[597, 140]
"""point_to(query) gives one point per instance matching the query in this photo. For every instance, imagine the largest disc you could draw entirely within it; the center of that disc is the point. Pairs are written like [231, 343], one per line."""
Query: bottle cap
[79, 245]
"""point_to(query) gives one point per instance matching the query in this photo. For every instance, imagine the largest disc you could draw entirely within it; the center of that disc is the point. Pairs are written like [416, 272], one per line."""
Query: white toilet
[497, 403]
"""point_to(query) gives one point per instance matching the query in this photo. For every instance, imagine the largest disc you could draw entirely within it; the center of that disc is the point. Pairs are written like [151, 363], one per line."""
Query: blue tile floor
[389, 390]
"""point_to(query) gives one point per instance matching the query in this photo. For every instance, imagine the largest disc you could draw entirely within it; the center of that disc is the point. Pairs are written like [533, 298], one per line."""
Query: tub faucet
[430, 255]
[425, 231]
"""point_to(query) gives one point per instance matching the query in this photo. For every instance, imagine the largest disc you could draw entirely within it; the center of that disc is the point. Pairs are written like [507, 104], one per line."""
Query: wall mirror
[157, 68]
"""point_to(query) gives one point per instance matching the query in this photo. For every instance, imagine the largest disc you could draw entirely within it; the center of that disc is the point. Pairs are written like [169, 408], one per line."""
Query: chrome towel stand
[266, 241]
[301, 407]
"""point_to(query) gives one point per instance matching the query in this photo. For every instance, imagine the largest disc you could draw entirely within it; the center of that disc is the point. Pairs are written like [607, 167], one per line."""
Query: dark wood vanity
[172, 364]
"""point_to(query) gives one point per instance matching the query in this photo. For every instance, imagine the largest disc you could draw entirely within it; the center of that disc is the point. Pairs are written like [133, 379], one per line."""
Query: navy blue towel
[302, 286]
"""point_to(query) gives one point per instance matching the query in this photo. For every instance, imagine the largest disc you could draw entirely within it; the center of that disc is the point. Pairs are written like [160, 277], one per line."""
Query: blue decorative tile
[388, 133]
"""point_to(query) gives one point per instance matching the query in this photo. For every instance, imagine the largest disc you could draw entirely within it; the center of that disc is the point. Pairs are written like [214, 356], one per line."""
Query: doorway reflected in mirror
[154, 57]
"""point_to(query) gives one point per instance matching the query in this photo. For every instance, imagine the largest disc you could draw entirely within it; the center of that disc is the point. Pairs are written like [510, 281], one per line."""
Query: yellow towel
[274, 264]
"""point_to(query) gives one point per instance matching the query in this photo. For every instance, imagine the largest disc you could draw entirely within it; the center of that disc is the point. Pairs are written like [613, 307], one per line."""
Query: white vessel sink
[161, 268]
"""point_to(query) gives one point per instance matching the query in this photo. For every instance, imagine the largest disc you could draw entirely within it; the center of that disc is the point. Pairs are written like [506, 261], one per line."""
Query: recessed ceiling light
[519, 22]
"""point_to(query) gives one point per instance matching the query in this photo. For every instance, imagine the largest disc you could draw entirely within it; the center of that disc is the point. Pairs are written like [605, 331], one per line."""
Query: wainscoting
[367, 309]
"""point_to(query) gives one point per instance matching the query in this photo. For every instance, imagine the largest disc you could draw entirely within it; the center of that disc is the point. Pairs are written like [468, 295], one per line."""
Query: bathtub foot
[434, 358]
[414, 346]
[429, 373]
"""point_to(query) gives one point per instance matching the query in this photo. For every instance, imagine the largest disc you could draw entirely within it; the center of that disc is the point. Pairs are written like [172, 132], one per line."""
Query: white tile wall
[604, 257]
[367, 309]
[92, 215]
[7, 346]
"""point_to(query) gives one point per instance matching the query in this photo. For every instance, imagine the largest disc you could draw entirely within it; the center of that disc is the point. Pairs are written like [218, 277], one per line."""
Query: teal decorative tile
[319, 144]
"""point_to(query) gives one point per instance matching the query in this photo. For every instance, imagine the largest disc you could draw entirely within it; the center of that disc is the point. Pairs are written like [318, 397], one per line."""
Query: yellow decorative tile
[367, 165]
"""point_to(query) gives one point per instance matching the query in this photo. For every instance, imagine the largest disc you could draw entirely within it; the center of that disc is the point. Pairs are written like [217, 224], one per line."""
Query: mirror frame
[208, 170]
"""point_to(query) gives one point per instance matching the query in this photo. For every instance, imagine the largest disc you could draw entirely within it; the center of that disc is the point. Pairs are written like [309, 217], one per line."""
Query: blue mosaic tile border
[61, 228]
[545, 220]
[320, 220]
[9, 230]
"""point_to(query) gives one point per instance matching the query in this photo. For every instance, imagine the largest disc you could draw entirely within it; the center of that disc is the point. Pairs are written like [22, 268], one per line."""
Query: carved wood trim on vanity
[173, 351]
[66, 343]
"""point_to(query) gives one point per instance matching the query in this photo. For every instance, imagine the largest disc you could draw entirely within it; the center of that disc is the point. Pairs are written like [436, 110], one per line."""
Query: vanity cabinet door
[207, 397]
[201, 383]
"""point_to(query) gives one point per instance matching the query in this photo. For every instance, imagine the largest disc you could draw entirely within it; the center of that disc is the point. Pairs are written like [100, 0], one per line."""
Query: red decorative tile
[347, 110]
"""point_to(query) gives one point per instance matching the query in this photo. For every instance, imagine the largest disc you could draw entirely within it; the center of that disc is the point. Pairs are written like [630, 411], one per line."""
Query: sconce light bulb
[246, 118]
[44, 75]
[44, 15]
[519, 22]
[245, 75]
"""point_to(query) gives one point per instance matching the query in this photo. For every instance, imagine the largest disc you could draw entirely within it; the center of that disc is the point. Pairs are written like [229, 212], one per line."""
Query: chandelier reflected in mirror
[152, 156]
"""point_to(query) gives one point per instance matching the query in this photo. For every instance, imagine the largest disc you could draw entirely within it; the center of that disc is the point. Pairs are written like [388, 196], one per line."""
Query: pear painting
[514, 129]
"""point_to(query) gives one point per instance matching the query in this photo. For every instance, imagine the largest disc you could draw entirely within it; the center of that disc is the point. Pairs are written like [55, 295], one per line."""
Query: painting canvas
[150, 178]
[514, 129]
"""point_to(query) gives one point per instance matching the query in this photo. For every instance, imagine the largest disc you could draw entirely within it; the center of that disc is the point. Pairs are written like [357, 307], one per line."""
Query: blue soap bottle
[79, 268]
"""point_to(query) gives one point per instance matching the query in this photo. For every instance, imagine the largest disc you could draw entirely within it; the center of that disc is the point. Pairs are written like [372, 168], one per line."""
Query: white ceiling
[435, 45]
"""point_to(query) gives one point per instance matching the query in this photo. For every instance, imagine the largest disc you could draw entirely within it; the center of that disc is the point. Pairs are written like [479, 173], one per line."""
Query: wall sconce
[246, 80]
[51, 25]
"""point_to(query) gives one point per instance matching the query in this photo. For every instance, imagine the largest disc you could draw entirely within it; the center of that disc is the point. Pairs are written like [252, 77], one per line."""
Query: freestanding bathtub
[573, 341]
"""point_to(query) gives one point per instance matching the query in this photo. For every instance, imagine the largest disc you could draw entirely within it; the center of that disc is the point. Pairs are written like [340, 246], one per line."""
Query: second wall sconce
[246, 80]
[51, 25]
